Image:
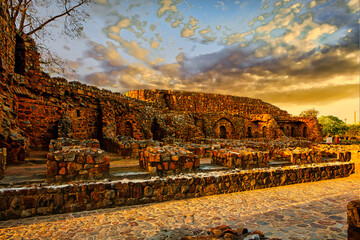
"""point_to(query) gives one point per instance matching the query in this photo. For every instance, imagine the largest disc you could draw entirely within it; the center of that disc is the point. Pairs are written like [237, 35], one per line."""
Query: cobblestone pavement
[303, 211]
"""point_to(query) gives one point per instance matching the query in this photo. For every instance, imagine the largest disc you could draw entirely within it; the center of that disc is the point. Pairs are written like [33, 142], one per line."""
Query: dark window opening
[305, 132]
[167, 101]
[222, 132]
[292, 131]
[20, 55]
[249, 135]
[264, 131]
[128, 129]
[156, 131]
[78, 113]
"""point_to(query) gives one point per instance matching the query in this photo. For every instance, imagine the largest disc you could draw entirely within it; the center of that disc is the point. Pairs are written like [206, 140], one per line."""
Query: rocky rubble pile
[220, 232]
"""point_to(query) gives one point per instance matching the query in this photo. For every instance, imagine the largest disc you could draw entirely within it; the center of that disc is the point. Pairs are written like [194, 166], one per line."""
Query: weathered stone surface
[353, 220]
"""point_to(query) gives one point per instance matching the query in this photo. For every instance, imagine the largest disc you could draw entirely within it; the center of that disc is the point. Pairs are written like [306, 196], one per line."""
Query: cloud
[321, 95]
[108, 54]
[189, 29]
[154, 44]
[102, 2]
[166, 6]
[297, 53]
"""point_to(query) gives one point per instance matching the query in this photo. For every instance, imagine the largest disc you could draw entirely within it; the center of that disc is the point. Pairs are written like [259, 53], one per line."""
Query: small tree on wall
[33, 17]
[309, 113]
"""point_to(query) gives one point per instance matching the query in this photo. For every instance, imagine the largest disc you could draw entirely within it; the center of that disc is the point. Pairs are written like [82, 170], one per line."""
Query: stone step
[129, 175]
[208, 167]
[330, 159]
[9, 181]
[279, 163]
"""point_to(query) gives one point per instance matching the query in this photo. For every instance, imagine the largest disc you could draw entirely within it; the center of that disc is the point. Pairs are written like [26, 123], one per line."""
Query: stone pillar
[353, 219]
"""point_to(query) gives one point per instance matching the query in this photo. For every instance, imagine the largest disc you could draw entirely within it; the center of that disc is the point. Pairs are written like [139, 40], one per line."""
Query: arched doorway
[249, 135]
[264, 132]
[305, 132]
[156, 131]
[128, 131]
[223, 128]
[223, 132]
[292, 131]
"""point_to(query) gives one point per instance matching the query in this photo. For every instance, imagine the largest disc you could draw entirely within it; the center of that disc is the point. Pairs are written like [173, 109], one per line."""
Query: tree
[332, 125]
[353, 130]
[33, 17]
[309, 113]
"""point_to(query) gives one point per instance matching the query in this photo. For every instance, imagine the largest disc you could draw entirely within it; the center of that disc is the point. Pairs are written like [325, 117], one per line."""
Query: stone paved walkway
[303, 211]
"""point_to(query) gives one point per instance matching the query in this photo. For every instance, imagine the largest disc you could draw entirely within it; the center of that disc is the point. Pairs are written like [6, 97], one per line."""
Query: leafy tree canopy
[353, 130]
[332, 125]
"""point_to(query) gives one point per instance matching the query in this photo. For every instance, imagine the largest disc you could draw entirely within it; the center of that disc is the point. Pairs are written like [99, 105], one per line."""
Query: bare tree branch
[15, 10]
[55, 17]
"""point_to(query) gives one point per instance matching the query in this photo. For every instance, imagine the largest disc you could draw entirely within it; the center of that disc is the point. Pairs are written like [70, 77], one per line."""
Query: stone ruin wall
[36, 108]
[206, 102]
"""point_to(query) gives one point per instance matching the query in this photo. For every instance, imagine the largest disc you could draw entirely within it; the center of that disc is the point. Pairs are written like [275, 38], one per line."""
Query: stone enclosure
[168, 133]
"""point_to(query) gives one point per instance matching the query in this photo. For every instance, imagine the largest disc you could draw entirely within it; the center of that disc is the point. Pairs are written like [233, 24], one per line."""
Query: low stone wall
[2, 162]
[245, 158]
[77, 163]
[32, 201]
[240, 158]
[353, 219]
[168, 160]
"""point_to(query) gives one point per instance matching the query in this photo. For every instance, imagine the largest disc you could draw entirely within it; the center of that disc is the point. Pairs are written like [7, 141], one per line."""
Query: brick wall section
[353, 220]
[168, 160]
[31, 201]
[205, 102]
[2, 162]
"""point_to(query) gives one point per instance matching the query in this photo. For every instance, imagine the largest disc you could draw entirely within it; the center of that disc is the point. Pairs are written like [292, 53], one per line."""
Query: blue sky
[294, 54]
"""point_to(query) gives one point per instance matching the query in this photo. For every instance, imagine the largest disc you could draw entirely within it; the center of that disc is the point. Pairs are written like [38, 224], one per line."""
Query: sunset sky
[296, 55]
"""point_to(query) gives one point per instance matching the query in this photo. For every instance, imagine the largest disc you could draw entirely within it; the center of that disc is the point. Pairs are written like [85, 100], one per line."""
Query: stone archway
[224, 128]
[223, 132]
